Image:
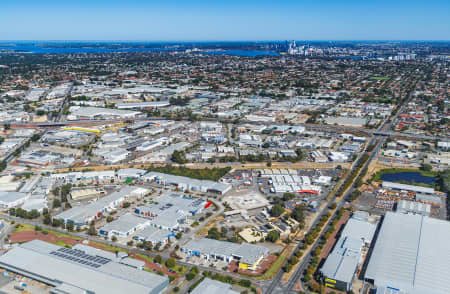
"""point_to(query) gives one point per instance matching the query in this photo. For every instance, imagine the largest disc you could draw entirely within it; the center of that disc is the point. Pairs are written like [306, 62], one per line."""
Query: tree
[56, 203]
[426, 167]
[178, 157]
[92, 231]
[214, 233]
[190, 276]
[195, 270]
[158, 259]
[276, 210]
[288, 196]
[69, 226]
[33, 214]
[273, 236]
[109, 219]
[170, 263]
[114, 238]
[47, 219]
[299, 213]
[56, 222]
[35, 137]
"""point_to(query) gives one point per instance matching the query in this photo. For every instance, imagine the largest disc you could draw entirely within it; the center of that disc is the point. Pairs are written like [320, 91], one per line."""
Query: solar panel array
[78, 256]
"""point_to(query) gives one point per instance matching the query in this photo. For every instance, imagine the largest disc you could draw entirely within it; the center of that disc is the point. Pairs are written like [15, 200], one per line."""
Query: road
[276, 286]
[315, 127]
[379, 138]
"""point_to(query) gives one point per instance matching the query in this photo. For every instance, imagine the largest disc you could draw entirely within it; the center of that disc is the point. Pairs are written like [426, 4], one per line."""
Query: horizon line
[218, 40]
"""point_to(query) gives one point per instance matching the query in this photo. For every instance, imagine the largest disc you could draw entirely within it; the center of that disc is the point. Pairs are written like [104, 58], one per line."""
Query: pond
[411, 177]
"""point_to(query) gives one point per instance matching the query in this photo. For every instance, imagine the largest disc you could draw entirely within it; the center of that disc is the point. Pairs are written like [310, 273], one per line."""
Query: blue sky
[224, 20]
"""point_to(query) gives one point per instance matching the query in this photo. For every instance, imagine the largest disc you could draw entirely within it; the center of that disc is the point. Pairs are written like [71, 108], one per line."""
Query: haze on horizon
[179, 20]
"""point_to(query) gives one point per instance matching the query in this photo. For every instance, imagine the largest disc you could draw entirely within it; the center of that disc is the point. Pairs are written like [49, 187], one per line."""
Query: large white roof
[412, 254]
[37, 259]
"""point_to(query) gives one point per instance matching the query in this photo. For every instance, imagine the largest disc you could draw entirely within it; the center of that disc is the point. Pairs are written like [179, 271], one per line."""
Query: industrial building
[411, 207]
[411, 255]
[154, 235]
[126, 225]
[209, 286]
[84, 214]
[12, 199]
[79, 270]
[248, 255]
[286, 180]
[184, 183]
[93, 176]
[341, 265]
[80, 113]
[404, 187]
[171, 210]
[142, 105]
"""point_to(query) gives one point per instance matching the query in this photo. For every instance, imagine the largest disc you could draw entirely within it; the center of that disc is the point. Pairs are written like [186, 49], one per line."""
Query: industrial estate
[271, 167]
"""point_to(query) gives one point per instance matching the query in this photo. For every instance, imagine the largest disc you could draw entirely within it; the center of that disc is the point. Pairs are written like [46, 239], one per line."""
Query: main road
[315, 127]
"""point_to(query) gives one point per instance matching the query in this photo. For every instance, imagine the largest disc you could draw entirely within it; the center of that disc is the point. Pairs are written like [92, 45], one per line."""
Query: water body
[410, 177]
[248, 53]
[68, 50]
[79, 49]
[355, 57]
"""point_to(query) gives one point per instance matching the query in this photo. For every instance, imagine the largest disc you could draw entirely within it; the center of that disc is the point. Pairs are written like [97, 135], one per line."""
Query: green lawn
[23, 228]
[273, 269]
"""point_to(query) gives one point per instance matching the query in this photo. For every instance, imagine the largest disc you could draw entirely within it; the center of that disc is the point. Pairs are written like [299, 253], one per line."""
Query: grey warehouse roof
[359, 229]
[56, 265]
[248, 253]
[412, 254]
[7, 197]
[419, 189]
[125, 223]
[209, 286]
[188, 182]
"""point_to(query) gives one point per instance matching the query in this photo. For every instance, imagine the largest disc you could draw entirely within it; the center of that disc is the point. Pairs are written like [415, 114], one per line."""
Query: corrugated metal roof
[35, 259]
[412, 254]
[209, 286]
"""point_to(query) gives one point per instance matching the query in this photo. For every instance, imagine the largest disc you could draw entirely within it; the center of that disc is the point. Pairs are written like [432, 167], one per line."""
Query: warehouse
[126, 225]
[79, 271]
[184, 183]
[209, 286]
[171, 210]
[341, 265]
[78, 112]
[284, 180]
[405, 206]
[80, 194]
[248, 255]
[154, 235]
[93, 176]
[82, 215]
[411, 254]
[130, 173]
[12, 199]
[142, 105]
[403, 187]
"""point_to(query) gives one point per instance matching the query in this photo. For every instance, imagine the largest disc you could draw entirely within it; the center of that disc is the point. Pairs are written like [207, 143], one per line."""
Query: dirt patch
[233, 267]
[25, 236]
[332, 239]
